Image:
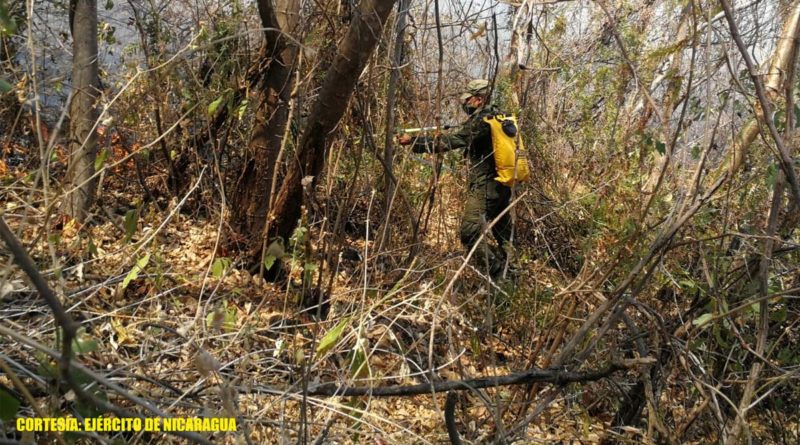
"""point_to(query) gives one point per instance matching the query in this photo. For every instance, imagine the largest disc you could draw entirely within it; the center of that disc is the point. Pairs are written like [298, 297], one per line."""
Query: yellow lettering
[152, 424]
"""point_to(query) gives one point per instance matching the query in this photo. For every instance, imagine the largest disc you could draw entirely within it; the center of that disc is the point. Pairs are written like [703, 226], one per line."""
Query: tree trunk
[274, 75]
[81, 186]
[779, 64]
[337, 88]
[388, 149]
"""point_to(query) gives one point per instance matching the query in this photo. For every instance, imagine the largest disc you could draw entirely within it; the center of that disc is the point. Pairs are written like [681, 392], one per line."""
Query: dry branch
[533, 375]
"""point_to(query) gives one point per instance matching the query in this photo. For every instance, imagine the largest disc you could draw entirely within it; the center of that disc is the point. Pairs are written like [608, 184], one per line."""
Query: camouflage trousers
[486, 199]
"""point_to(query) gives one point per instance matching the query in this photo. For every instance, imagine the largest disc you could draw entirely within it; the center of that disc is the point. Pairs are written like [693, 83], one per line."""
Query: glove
[404, 139]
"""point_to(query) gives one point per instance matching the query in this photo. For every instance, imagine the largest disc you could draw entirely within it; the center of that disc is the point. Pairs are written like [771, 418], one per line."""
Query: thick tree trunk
[80, 185]
[274, 76]
[351, 58]
[251, 198]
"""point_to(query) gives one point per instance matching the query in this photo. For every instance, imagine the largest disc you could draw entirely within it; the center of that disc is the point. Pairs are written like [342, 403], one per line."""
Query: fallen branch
[450, 419]
[534, 375]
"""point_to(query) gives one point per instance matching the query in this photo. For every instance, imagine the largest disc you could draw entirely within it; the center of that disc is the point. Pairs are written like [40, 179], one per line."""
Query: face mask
[468, 109]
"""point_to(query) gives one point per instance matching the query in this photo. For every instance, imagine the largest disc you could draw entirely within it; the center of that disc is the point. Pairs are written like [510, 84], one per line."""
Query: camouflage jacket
[474, 137]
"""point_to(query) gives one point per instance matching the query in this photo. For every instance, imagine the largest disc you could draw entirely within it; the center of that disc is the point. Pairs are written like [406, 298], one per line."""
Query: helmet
[475, 87]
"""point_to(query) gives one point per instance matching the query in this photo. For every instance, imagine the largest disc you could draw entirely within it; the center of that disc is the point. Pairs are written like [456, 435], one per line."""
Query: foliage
[633, 239]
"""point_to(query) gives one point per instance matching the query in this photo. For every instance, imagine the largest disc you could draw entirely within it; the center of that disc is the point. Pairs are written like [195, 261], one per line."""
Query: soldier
[486, 197]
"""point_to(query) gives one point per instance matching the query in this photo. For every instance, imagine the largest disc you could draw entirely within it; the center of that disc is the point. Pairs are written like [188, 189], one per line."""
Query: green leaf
[92, 248]
[332, 337]
[47, 367]
[475, 344]
[269, 261]
[241, 110]
[7, 25]
[661, 147]
[696, 151]
[222, 318]
[787, 356]
[100, 160]
[779, 315]
[687, 284]
[83, 343]
[131, 222]
[701, 320]
[308, 272]
[5, 87]
[359, 367]
[8, 406]
[220, 266]
[134, 273]
[210, 322]
[779, 119]
[299, 236]
[772, 175]
[229, 322]
[717, 331]
[212, 107]
[109, 4]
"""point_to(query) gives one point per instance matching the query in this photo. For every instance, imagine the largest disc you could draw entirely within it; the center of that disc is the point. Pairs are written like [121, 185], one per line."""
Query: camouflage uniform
[486, 198]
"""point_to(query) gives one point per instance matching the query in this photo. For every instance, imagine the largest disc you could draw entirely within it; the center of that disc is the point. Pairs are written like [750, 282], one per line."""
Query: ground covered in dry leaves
[168, 316]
